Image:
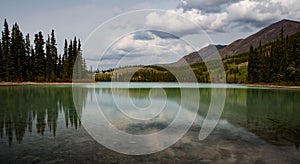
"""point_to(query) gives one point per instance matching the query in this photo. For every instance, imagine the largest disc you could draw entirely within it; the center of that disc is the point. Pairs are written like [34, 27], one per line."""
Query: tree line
[278, 62]
[21, 60]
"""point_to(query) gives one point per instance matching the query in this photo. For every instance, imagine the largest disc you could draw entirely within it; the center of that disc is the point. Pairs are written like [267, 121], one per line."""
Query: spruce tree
[54, 55]
[17, 54]
[27, 63]
[70, 61]
[65, 62]
[39, 57]
[49, 66]
[5, 51]
[59, 68]
[1, 62]
[32, 64]
[250, 65]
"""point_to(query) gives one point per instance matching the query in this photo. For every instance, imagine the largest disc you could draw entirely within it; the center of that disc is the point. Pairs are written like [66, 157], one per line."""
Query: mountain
[239, 46]
[265, 35]
[194, 57]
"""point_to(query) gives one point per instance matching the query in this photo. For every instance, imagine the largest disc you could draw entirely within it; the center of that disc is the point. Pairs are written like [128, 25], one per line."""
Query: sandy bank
[271, 86]
[41, 83]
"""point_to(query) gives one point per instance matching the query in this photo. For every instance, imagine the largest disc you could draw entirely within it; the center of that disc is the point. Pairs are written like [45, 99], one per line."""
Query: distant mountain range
[239, 46]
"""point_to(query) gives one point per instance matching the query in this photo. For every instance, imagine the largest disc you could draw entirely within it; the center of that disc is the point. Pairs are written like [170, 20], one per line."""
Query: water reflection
[272, 114]
[23, 107]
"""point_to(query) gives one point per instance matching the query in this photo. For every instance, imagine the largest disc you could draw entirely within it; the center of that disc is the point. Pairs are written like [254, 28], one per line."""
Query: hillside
[265, 35]
[239, 46]
[194, 57]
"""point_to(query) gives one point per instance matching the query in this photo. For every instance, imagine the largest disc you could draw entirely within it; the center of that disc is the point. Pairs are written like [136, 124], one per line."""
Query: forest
[22, 61]
[277, 62]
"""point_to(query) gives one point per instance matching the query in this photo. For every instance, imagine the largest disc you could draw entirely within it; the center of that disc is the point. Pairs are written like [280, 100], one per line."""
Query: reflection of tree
[274, 115]
[21, 106]
[271, 114]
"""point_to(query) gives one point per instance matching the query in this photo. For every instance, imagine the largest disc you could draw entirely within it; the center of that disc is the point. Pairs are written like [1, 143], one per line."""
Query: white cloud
[130, 51]
[243, 14]
[256, 11]
[172, 21]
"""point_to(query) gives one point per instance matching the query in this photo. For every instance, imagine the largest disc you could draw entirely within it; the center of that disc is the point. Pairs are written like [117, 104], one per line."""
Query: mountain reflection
[23, 107]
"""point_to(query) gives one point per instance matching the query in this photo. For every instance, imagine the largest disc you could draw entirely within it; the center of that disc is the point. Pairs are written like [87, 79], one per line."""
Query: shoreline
[273, 86]
[71, 83]
[41, 83]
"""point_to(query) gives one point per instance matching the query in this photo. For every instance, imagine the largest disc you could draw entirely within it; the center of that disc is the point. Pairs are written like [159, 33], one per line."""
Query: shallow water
[48, 123]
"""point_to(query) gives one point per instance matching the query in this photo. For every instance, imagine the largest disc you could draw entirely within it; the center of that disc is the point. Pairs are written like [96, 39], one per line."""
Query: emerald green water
[41, 123]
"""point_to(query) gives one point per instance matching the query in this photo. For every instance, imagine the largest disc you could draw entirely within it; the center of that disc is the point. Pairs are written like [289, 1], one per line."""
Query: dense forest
[22, 61]
[277, 62]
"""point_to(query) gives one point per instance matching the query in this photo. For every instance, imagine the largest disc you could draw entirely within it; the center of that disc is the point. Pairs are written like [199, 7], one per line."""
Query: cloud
[223, 15]
[172, 21]
[142, 35]
[151, 34]
[181, 22]
[257, 13]
[205, 5]
[134, 49]
[163, 35]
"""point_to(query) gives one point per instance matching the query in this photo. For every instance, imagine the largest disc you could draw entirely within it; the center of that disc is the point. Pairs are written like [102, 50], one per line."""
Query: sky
[132, 32]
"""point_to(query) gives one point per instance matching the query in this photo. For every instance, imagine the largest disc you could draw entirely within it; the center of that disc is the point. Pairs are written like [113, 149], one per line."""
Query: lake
[59, 123]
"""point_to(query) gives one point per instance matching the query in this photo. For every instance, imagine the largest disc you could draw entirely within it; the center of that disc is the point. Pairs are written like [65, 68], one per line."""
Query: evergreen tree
[261, 64]
[17, 54]
[39, 57]
[1, 63]
[54, 54]
[251, 65]
[70, 61]
[27, 63]
[51, 58]
[78, 65]
[49, 66]
[32, 64]
[65, 62]
[5, 51]
[59, 68]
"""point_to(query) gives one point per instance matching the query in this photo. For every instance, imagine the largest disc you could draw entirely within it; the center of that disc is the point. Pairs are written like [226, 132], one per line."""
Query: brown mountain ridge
[239, 46]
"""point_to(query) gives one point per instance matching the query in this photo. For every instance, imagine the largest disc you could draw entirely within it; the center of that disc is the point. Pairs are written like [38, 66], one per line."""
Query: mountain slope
[194, 57]
[239, 46]
[265, 35]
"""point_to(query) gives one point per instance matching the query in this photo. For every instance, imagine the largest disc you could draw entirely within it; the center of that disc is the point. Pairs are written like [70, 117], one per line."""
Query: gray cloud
[148, 35]
[142, 35]
[163, 35]
[205, 5]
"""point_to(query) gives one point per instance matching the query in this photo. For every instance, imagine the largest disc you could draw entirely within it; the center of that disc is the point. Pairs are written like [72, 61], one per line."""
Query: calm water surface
[41, 123]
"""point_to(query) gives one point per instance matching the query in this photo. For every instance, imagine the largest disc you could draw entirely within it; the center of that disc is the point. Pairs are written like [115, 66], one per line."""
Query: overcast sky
[146, 37]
